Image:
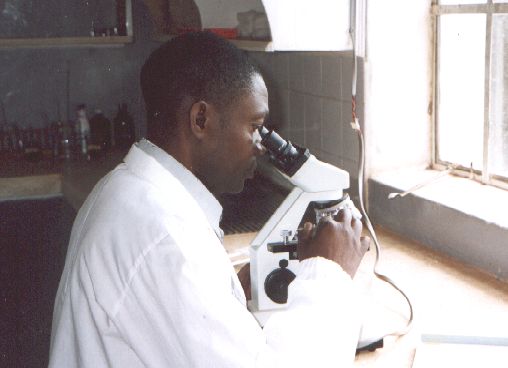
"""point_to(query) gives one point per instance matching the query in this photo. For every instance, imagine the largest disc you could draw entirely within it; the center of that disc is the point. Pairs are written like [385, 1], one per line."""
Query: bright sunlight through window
[472, 86]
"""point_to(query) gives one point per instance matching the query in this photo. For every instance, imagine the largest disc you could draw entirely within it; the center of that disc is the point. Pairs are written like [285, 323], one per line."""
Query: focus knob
[277, 282]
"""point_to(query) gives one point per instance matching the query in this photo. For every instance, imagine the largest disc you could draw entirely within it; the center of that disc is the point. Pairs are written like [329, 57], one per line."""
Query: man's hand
[338, 240]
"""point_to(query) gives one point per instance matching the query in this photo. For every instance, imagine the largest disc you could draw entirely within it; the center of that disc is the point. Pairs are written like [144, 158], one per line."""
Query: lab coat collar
[206, 201]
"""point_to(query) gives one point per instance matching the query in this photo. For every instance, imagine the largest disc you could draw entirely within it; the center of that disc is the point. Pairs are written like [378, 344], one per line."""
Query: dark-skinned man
[147, 282]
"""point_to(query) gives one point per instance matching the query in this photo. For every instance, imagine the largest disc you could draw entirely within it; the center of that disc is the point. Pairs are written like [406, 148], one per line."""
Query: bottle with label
[123, 127]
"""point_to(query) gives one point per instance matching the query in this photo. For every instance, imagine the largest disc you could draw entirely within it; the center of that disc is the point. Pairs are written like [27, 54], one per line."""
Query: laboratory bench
[449, 298]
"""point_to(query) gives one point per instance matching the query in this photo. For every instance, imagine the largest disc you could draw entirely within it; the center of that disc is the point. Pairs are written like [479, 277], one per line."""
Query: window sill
[454, 215]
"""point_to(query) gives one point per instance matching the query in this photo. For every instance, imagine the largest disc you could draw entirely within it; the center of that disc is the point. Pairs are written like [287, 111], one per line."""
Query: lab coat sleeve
[179, 314]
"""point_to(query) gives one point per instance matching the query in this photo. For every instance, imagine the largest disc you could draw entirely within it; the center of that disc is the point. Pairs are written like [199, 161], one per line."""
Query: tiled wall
[310, 102]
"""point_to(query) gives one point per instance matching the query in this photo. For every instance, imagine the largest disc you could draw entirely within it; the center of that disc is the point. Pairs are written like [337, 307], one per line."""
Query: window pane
[498, 155]
[461, 71]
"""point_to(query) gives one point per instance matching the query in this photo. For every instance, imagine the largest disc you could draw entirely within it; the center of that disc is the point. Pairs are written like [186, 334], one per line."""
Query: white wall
[398, 77]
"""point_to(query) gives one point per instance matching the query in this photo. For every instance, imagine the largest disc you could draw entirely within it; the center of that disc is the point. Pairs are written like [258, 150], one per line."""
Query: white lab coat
[147, 283]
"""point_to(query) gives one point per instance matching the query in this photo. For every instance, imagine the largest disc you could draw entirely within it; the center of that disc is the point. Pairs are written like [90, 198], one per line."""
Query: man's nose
[260, 149]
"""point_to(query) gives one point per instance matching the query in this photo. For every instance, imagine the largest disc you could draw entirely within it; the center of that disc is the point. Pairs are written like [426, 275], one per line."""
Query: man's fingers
[306, 232]
[357, 226]
[344, 216]
[365, 243]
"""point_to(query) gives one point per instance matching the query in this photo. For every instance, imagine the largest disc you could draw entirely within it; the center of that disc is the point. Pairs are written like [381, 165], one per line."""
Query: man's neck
[178, 148]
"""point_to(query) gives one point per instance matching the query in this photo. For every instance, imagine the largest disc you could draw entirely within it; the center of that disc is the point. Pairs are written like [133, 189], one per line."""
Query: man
[147, 282]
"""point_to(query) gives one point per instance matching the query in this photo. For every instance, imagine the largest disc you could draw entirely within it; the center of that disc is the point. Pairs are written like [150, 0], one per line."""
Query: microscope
[318, 192]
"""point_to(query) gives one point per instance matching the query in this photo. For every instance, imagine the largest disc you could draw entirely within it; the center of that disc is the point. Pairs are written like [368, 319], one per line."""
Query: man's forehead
[253, 103]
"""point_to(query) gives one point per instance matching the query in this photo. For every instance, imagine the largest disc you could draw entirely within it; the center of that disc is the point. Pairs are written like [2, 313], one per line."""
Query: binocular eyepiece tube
[285, 156]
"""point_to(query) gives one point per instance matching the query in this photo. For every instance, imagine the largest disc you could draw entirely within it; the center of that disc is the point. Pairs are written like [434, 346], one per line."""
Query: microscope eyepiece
[283, 154]
[276, 145]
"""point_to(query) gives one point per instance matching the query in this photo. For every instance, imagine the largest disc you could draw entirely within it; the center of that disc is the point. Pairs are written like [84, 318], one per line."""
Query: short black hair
[200, 65]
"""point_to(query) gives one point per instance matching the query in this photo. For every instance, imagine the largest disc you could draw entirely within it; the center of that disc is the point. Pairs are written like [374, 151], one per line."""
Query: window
[472, 87]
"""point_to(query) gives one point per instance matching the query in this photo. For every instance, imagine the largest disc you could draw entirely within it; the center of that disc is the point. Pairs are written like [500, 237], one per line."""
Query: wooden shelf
[250, 45]
[108, 41]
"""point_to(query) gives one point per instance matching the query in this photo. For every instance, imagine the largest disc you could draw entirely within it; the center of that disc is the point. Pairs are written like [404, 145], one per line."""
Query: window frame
[489, 8]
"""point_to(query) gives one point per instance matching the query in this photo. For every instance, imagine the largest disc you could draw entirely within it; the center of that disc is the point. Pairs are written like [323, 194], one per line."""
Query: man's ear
[200, 118]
